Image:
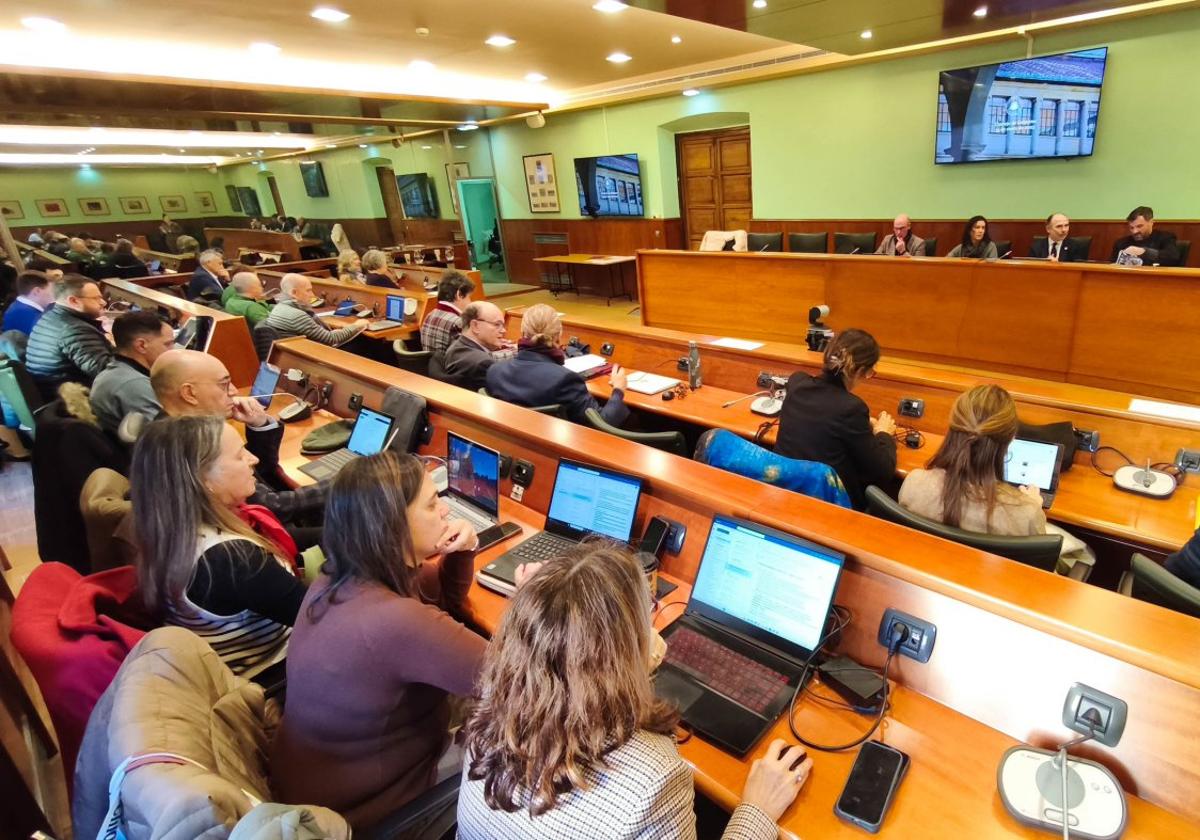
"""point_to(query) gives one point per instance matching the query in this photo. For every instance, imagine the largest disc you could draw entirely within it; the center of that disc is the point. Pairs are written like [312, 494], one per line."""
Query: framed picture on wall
[134, 205]
[11, 210]
[206, 202]
[454, 171]
[50, 207]
[248, 199]
[172, 203]
[94, 206]
[235, 200]
[540, 183]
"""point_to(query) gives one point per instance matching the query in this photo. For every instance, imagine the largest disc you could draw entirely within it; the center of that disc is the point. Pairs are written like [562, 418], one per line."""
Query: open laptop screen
[372, 431]
[1032, 462]
[474, 472]
[763, 583]
[265, 383]
[395, 308]
[589, 500]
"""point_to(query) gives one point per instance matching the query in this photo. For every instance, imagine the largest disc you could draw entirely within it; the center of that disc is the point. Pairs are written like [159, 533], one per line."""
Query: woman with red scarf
[208, 561]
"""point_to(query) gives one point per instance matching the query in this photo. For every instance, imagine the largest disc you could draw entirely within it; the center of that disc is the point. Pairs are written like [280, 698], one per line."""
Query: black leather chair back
[844, 243]
[1185, 248]
[264, 337]
[808, 243]
[764, 242]
[1147, 580]
[1003, 247]
[672, 442]
[931, 246]
[1040, 551]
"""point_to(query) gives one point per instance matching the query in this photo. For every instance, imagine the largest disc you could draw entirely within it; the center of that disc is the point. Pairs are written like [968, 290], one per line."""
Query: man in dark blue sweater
[35, 294]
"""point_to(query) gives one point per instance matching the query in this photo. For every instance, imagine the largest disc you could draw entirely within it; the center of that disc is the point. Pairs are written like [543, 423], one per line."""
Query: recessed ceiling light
[691, 92]
[459, 147]
[619, 58]
[327, 146]
[43, 24]
[420, 65]
[329, 15]
[427, 148]
[468, 127]
[183, 151]
[264, 48]
[609, 6]
[675, 39]
[760, 4]
[499, 41]
[866, 34]
[980, 12]
[85, 166]
[362, 145]
[535, 78]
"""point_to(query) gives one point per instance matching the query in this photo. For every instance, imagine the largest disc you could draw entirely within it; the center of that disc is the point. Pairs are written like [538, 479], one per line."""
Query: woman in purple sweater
[375, 653]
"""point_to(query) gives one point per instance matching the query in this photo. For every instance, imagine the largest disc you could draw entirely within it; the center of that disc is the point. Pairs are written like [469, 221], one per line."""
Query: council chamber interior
[864, 335]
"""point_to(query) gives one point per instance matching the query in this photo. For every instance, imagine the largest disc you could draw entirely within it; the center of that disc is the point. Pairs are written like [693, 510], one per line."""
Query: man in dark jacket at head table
[1152, 247]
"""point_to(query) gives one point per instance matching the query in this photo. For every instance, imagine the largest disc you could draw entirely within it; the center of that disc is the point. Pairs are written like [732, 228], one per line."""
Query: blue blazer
[203, 282]
[21, 316]
[532, 378]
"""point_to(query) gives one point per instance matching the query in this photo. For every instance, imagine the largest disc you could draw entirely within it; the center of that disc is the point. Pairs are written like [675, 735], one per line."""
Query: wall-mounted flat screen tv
[313, 175]
[1044, 107]
[418, 196]
[609, 186]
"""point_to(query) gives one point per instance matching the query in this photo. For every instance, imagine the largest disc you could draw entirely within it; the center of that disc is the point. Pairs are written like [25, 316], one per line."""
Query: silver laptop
[1036, 463]
[473, 491]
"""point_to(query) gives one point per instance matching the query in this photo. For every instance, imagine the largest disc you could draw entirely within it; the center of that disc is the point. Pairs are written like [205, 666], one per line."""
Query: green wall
[480, 210]
[858, 142]
[111, 183]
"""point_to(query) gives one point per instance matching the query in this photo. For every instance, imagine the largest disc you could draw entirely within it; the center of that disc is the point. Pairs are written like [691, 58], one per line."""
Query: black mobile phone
[655, 538]
[871, 786]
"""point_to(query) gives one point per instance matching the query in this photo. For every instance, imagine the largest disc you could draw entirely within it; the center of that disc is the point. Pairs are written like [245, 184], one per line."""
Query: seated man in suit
[245, 297]
[1056, 248]
[210, 277]
[1152, 247]
[480, 345]
[292, 315]
[35, 294]
[902, 242]
[537, 376]
[188, 382]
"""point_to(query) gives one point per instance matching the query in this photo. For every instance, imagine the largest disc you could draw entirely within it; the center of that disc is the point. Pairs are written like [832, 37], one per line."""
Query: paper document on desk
[737, 344]
[582, 364]
[650, 383]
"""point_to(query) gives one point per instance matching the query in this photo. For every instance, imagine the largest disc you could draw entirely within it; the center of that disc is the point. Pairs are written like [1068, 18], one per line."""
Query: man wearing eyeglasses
[902, 242]
[480, 345]
[68, 343]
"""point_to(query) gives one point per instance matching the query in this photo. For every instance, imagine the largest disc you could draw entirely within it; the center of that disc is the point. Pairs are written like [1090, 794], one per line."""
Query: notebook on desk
[758, 610]
[588, 365]
[1036, 463]
[586, 501]
[649, 383]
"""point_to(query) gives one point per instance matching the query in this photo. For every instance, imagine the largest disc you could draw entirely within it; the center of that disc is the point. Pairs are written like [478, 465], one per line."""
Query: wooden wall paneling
[260, 240]
[131, 228]
[613, 237]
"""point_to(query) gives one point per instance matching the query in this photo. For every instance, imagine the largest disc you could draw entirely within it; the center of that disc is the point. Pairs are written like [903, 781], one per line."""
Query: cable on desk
[1172, 470]
[763, 429]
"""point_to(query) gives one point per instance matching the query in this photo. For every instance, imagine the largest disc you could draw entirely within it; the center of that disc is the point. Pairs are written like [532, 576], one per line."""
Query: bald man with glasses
[902, 242]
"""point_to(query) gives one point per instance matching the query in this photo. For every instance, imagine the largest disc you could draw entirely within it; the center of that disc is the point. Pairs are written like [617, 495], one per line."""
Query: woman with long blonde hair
[566, 738]
[349, 268]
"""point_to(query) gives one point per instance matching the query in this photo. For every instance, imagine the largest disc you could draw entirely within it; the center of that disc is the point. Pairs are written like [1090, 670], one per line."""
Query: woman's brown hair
[565, 680]
[366, 536]
[850, 353]
[541, 325]
[983, 423]
[171, 504]
[345, 260]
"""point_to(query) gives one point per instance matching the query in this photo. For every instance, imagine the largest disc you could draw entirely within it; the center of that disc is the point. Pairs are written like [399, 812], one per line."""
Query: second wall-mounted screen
[609, 186]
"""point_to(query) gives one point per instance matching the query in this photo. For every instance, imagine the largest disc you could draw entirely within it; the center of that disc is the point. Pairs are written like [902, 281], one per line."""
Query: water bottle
[693, 365]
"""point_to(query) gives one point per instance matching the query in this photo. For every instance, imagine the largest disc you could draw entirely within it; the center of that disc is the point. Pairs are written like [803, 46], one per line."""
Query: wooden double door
[714, 181]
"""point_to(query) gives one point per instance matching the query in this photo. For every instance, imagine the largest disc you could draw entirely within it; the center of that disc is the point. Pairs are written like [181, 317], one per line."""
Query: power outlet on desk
[1084, 702]
[921, 634]
[912, 407]
[681, 363]
[1087, 441]
[607, 348]
[1188, 460]
[355, 402]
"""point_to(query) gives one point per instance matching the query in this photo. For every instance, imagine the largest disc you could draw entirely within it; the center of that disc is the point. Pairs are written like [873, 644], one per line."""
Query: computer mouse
[668, 396]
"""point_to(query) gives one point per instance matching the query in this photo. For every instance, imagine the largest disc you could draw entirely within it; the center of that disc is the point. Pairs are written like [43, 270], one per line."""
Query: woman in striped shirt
[208, 561]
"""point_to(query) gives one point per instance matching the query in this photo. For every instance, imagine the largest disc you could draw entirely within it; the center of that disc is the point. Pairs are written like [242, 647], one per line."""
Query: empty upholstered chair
[1003, 248]
[764, 242]
[1041, 551]
[718, 240]
[860, 243]
[1147, 580]
[1185, 249]
[808, 243]
[264, 336]
[672, 442]
[554, 409]
[416, 361]
[1082, 245]
[931, 246]
[726, 451]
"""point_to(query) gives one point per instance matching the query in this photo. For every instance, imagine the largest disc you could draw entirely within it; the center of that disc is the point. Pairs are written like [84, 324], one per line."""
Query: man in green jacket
[245, 297]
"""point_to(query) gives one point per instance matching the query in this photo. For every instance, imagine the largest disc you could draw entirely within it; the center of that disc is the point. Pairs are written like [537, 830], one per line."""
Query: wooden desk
[261, 240]
[173, 263]
[1129, 329]
[616, 272]
[374, 297]
[1005, 631]
[427, 277]
[230, 337]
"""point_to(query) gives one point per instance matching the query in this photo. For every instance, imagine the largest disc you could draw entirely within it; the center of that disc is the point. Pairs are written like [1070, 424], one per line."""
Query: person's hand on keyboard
[524, 572]
[459, 536]
[776, 778]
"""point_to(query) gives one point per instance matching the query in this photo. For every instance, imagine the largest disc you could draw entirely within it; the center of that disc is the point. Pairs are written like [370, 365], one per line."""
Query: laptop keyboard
[541, 546]
[383, 324]
[738, 677]
[460, 511]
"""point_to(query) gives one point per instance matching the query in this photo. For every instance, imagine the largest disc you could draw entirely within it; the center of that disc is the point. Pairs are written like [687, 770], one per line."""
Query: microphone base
[1134, 480]
[1030, 786]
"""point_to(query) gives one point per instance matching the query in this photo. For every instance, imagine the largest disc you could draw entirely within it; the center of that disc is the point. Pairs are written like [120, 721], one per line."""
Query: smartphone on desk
[871, 786]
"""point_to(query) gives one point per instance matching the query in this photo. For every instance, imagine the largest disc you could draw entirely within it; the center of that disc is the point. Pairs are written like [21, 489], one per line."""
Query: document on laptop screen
[370, 433]
[770, 583]
[1031, 463]
[595, 500]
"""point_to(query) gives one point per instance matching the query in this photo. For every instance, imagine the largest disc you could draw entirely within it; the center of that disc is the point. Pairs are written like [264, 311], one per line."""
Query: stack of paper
[650, 383]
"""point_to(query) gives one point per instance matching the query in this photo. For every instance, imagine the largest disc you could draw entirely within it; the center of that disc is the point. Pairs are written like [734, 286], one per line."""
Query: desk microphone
[746, 397]
[298, 410]
[765, 247]
[855, 251]
[1005, 255]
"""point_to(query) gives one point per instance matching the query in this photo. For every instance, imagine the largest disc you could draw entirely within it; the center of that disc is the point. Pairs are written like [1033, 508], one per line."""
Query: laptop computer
[473, 489]
[758, 609]
[395, 315]
[265, 384]
[1036, 463]
[586, 501]
[373, 432]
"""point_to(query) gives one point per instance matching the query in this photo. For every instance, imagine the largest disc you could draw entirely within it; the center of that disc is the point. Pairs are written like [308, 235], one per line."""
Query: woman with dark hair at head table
[976, 242]
[378, 648]
[963, 484]
[824, 421]
[566, 738]
[207, 560]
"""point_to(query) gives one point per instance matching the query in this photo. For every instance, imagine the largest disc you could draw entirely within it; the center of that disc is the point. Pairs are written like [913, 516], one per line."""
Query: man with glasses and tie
[480, 345]
[1055, 247]
[68, 343]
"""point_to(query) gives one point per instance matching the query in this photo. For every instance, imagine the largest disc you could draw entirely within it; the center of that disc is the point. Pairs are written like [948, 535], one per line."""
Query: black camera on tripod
[819, 335]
